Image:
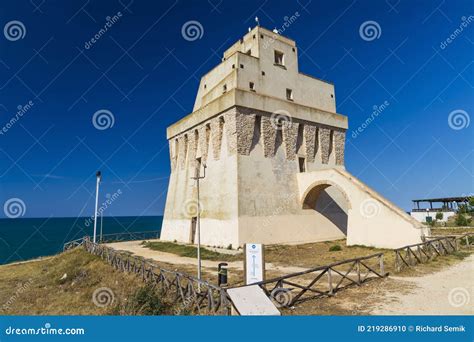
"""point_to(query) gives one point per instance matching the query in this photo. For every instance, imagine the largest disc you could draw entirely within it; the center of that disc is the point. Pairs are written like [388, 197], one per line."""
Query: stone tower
[273, 149]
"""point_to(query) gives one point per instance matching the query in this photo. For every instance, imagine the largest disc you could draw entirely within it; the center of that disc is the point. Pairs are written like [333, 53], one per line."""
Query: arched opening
[329, 200]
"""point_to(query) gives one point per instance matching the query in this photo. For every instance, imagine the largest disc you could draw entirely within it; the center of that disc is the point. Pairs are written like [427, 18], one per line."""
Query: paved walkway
[137, 248]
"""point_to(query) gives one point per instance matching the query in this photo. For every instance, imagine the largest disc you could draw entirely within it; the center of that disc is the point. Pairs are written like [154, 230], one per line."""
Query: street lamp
[197, 178]
[98, 177]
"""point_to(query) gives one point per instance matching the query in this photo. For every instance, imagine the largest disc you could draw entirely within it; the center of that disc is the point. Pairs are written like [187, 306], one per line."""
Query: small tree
[439, 216]
[461, 220]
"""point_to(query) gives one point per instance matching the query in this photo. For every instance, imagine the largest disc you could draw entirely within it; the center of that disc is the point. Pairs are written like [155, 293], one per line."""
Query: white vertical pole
[199, 231]
[96, 205]
[101, 224]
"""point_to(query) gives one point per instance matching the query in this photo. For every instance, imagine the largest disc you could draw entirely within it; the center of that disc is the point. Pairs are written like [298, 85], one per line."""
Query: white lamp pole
[98, 176]
[197, 178]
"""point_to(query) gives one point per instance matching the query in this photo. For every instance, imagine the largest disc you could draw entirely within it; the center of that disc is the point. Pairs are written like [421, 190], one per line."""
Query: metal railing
[297, 287]
[130, 236]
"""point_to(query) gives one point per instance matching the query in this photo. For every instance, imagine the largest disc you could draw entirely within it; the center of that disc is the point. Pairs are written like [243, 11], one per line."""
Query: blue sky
[146, 74]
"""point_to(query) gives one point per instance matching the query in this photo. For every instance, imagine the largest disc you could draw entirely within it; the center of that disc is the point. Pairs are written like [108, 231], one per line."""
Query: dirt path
[136, 248]
[447, 292]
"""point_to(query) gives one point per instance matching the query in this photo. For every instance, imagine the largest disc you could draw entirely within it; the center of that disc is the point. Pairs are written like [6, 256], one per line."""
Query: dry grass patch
[64, 285]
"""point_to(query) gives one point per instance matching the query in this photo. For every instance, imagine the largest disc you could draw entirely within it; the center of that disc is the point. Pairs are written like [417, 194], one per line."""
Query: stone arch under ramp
[329, 200]
[372, 219]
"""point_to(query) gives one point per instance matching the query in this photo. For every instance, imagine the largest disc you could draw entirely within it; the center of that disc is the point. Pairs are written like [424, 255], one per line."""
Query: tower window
[289, 94]
[302, 164]
[224, 88]
[279, 58]
[261, 36]
[249, 52]
[252, 86]
[263, 73]
[241, 66]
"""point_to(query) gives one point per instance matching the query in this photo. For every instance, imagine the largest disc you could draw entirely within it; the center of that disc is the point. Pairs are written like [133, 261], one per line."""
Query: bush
[145, 301]
[439, 216]
[461, 220]
[335, 248]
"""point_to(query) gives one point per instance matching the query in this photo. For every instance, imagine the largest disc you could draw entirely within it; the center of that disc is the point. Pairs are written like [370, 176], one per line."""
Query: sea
[28, 238]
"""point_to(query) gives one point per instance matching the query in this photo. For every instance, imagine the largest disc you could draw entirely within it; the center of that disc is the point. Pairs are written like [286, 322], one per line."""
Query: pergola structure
[447, 203]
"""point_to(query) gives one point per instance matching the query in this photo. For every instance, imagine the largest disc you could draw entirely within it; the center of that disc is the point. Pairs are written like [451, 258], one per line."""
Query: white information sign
[254, 264]
[251, 301]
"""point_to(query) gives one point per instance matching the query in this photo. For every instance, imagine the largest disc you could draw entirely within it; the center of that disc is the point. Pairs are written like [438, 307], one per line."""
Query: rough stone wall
[269, 134]
[339, 144]
[239, 124]
[182, 146]
[192, 148]
[216, 137]
[324, 142]
[245, 130]
[231, 130]
[310, 142]
[204, 135]
[290, 136]
[173, 154]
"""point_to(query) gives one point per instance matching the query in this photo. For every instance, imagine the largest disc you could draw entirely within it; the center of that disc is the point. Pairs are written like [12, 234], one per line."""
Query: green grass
[190, 251]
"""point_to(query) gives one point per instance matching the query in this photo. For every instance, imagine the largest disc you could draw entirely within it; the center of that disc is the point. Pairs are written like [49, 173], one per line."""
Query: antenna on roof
[257, 21]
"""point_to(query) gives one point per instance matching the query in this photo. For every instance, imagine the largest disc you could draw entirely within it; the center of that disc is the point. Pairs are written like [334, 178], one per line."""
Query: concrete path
[447, 292]
[136, 248]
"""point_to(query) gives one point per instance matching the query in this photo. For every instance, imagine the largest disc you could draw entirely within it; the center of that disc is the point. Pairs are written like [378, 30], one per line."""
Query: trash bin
[222, 274]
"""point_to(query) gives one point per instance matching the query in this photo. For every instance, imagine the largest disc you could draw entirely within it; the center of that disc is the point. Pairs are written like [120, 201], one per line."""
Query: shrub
[335, 248]
[439, 216]
[146, 300]
[461, 220]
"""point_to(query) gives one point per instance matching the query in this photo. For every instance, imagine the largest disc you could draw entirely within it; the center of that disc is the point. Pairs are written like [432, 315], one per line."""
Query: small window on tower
[302, 164]
[224, 88]
[249, 52]
[289, 94]
[252, 86]
[279, 58]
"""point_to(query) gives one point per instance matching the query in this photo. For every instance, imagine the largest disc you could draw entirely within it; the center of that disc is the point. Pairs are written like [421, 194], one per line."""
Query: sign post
[254, 263]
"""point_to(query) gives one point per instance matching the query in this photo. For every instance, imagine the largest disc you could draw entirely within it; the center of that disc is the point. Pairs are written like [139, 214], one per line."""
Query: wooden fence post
[382, 269]
[330, 281]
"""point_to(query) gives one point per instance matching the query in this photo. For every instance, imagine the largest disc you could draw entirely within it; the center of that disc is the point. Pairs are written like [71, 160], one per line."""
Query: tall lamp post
[98, 177]
[197, 178]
